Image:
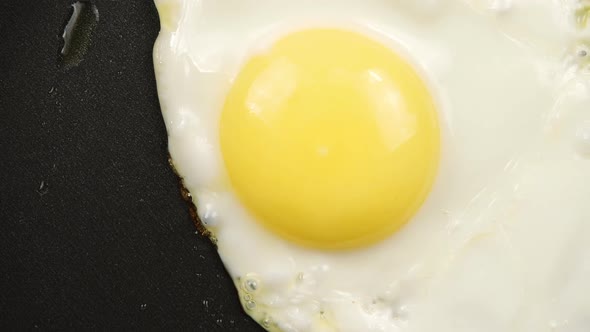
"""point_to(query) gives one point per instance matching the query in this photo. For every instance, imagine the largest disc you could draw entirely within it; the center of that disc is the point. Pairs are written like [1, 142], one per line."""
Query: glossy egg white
[501, 243]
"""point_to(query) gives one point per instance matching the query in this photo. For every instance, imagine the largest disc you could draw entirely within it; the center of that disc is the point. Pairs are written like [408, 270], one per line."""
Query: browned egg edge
[192, 208]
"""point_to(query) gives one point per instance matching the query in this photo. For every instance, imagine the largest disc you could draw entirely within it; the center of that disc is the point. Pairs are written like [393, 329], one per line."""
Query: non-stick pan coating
[94, 233]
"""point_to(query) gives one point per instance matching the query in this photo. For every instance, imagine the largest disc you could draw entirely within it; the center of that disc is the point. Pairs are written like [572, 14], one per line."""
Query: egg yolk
[330, 139]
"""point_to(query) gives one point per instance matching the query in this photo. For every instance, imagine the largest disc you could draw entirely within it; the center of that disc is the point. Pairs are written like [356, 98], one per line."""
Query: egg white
[501, 243]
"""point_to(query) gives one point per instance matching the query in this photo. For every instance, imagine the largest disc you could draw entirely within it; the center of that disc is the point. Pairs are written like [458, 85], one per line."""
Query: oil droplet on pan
[77, 33]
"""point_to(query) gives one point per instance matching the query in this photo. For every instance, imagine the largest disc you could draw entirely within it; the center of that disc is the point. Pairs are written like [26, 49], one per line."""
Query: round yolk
[330, 139]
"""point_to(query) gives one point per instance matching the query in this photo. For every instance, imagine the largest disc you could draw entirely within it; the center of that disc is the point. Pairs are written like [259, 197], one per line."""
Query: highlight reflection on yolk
[330, 139]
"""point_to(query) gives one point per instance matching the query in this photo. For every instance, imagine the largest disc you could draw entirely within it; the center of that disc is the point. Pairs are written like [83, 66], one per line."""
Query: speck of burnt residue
[78, 32]
[186, 195]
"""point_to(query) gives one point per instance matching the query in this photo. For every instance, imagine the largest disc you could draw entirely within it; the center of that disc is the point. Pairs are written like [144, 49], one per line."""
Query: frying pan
[94, 232]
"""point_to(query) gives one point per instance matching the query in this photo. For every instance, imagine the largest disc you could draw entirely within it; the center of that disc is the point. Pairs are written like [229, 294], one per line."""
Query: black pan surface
[94, 233]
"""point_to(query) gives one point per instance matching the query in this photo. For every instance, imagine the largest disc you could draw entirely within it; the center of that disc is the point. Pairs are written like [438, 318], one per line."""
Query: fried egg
[387, 165]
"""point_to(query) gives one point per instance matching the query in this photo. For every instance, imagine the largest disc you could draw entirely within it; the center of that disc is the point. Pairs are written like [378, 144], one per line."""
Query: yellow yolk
[330, 139]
